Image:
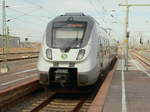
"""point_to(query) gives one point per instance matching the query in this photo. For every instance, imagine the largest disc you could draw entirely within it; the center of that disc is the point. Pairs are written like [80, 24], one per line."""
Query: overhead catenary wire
[97, 11]
[23, 22]
[25, 14]
[29, 14]
[19, 18]
[35, 4]
[38, 5]
[104, 12]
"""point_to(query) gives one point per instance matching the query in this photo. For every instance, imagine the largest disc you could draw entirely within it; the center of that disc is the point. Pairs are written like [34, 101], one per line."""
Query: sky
[28, 18]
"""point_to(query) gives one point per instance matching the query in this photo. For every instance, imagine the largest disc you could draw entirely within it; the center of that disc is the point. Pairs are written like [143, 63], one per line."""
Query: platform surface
[129, 90]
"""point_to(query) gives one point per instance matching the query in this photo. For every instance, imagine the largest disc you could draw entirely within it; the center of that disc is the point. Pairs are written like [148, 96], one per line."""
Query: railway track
[13, 53]
[38, 100]
[51, 101]
[12, 95]
[32, 99]
[20, 58]
[46, 100]
[60, 102]
[19, 67]
[13, 56]
[142, 59]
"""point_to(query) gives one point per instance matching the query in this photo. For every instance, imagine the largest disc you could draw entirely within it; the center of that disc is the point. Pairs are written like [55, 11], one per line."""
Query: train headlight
[49, 53]
[80, 54]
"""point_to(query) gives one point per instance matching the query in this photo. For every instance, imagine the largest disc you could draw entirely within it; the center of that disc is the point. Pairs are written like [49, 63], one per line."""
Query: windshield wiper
[72, 43]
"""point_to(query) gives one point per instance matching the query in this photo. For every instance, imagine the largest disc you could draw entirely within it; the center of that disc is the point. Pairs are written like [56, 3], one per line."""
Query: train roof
[74, 17]
[74, 14]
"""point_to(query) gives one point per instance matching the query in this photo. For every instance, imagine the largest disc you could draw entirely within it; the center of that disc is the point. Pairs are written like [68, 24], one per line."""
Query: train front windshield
[68, 34]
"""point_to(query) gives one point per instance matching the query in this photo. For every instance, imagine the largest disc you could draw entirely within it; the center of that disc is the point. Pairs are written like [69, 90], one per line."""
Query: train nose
[83, 79]
[44, 78]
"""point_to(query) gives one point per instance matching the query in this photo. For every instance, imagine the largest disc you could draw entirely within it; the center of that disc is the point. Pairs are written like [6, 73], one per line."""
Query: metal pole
[3, 27]
[126, 28]
[126, 37]
[4, 67]
[134, 5]
[7, 40]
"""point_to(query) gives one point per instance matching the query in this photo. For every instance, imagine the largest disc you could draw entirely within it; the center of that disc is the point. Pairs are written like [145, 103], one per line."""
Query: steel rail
[79, 105]
[143, 57]
[143, 61]
[12, 94]
[44, 103]
[24, 58]
[20, 53]
[135, 54]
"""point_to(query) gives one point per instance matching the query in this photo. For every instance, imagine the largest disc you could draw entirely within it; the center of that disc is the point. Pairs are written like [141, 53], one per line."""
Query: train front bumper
[67, 77]
[59, 76]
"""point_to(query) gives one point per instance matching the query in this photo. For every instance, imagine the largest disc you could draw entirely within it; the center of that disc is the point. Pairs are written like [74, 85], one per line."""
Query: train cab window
[68, 34]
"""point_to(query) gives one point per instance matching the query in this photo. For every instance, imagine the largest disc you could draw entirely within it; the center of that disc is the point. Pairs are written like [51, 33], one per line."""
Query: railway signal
[141, 41]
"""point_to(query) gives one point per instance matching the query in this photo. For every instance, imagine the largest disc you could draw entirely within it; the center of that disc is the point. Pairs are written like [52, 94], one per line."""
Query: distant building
[12, 42]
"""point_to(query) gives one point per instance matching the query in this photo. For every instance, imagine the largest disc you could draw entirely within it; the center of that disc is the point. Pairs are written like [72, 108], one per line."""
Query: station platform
[129, 90]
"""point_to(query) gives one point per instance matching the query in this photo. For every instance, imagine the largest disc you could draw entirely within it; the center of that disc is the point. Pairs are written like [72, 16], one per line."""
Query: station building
[12, 41]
